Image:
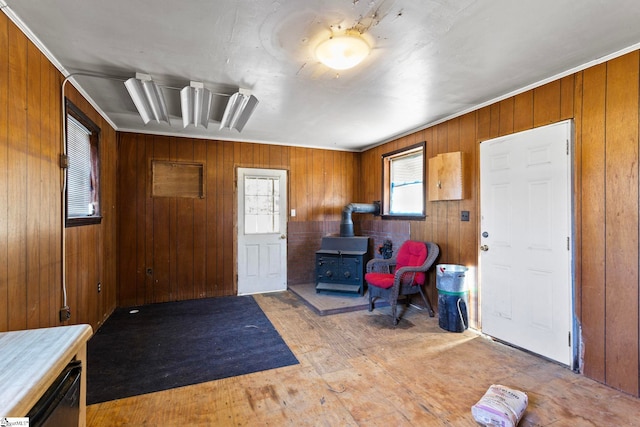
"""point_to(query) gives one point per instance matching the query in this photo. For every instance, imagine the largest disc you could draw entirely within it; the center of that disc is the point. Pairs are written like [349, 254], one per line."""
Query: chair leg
[393, 313]
[427, 302]
[370, 302]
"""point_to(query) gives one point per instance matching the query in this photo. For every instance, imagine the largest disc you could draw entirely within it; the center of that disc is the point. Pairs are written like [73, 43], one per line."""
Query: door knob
[484, 248]
[283, 236]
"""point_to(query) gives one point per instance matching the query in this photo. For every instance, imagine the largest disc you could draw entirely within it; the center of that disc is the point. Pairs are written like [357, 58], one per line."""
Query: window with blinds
[82, 189]
[404, 182]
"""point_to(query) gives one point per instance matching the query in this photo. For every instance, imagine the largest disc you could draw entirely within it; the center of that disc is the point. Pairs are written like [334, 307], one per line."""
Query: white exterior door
[262, 224]
[526, 249]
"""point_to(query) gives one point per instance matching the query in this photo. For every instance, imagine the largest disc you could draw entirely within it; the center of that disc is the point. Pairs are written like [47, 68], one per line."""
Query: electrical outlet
[65, 314]
[99, 287]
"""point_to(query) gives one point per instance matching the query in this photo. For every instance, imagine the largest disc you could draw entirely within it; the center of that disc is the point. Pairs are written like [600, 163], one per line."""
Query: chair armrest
[380, 265]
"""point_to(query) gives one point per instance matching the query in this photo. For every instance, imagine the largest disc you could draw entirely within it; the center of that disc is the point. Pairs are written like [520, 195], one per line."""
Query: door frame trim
[236, 228]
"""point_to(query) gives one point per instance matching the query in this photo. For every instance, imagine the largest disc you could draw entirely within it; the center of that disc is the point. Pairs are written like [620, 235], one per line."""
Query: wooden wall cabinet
[446, 176]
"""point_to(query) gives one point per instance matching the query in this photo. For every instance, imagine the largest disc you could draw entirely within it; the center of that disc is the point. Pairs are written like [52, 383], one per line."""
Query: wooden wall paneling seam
[220, 217]
[85, 270]
[200, 226]
[577, 197]
[440, 222]
[567, 97]
[184, 231]
[507, 116]
[33, 206]
[4, 173]
[82, 269]
[212, 230]
[453, 206]
[341, 195]
[46, 158]
[110, 277]
[55, 109]
[331, 173]
[495, 121]
[149, 257]
[469, 230]
[293, 189]
[229, 212]
[427, 227]
[523, 111]
[98, 257]
[592, 229]
[317, 185]
[161, 231]
[71, 247]
[308, 184]
[17, 96]
[546, 104]
[127, 227]
[621, 334]
[173, 233]
[141, 186]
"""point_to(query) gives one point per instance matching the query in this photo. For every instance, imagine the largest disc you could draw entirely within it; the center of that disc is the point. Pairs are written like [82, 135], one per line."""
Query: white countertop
[31, 360]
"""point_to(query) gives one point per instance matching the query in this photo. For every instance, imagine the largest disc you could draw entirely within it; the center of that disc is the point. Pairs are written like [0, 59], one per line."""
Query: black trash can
[452, 311]
[452, 297]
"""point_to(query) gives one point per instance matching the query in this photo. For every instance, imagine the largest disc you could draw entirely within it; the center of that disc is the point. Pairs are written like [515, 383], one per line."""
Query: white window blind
[79, 186]
[407, 184]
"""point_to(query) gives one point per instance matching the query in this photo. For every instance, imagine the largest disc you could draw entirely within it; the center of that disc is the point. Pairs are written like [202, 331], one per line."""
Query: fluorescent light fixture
[239, 108]
[195, 101]
[343, 52]
[147, 97]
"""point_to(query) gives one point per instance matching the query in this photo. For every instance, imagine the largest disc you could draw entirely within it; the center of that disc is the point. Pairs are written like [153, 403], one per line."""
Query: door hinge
[569, 343]
[64, 161]
[567, 147]
[568, 243]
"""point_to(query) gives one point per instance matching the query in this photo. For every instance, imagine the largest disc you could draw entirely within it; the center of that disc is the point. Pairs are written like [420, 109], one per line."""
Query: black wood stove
[341, 263]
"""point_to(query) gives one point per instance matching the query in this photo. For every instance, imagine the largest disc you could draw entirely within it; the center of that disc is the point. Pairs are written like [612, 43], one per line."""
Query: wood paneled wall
[177, 248]
[603, 101]
[30, 197]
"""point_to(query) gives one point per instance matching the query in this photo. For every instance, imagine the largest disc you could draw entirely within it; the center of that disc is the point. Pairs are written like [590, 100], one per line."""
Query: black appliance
[341, 263]
[59, 406]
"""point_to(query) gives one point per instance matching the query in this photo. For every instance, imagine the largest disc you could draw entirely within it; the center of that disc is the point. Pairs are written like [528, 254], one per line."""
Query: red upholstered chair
[402, 275]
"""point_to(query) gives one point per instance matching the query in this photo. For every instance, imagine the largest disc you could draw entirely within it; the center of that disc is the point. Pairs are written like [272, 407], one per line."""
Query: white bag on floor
[500, 407]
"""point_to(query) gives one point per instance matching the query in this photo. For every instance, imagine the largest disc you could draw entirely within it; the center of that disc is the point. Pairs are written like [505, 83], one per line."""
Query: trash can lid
[454, 268]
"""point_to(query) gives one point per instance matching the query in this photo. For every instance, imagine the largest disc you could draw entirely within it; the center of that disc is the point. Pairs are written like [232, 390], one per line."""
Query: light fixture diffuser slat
[147, 98]
[195, 102]
[239, 108]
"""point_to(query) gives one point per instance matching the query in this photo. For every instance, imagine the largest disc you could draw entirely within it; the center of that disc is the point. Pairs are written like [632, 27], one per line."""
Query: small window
[83, 171]
[403, 183]
[261, 204]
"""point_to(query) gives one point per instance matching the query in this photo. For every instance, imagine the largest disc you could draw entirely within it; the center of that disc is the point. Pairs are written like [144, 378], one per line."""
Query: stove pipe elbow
[346, 225]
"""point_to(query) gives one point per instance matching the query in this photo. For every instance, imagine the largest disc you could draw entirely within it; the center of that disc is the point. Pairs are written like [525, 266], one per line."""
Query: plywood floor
[357, 370]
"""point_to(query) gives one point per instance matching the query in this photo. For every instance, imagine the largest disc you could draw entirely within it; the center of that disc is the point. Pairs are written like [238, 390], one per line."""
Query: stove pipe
[346, 225]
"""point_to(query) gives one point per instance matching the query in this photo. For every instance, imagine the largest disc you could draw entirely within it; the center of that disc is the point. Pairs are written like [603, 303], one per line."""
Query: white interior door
[262, 225]
[526, 250]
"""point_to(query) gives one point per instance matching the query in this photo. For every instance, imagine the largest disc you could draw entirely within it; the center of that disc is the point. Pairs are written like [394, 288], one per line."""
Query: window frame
[385, 205]
[75, 112]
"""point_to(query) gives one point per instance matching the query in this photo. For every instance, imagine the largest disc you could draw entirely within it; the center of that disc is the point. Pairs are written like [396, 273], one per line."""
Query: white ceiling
[431, 59]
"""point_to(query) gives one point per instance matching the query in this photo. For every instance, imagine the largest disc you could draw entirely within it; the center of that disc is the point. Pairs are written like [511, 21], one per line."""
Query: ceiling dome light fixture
[343, 52]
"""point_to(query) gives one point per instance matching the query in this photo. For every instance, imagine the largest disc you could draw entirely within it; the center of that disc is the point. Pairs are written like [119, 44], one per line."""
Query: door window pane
[261, 205]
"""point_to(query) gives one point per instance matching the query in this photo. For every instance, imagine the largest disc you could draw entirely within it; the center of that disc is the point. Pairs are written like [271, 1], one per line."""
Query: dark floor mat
[167, 345]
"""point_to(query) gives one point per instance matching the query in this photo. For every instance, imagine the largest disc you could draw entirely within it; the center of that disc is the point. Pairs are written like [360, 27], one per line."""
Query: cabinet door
[445, 176]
